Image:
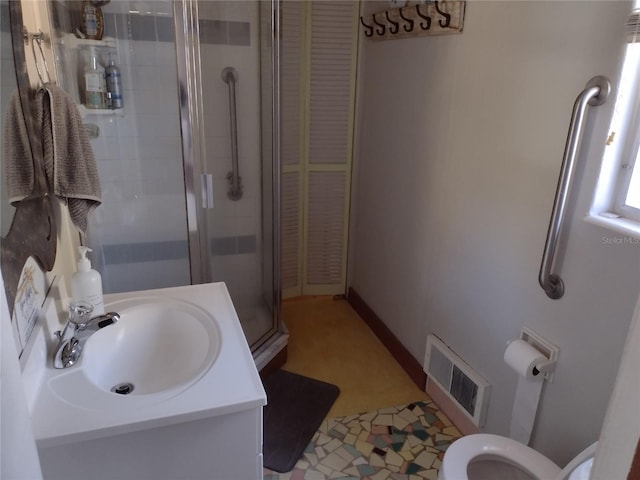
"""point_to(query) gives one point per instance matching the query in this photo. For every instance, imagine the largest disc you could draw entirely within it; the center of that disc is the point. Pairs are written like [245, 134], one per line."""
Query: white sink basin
[156, 346]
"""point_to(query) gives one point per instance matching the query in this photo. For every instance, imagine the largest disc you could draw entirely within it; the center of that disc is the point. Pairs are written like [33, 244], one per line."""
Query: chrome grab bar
[595, 93]
[230, 77]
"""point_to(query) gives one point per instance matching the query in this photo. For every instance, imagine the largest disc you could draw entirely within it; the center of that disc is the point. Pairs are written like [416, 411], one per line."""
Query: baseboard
[389, 340]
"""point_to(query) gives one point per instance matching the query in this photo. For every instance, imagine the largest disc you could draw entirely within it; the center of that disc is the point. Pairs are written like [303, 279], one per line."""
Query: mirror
[8, 86]
[33, 227]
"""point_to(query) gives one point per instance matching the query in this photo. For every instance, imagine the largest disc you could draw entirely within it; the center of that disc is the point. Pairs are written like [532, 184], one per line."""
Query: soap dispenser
[86, 283]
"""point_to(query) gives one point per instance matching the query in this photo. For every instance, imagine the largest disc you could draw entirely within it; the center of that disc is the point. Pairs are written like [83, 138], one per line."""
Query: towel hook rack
[369, 29]
[395, 26]
[446, 15]
[409, 21]
[382, 29]
[426, 17]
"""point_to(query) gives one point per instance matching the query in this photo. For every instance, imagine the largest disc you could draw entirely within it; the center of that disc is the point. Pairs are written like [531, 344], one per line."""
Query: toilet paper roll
[523, 358]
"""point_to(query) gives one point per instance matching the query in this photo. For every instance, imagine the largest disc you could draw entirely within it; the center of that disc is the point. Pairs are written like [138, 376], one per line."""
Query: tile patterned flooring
[398, 443]
[406, 442]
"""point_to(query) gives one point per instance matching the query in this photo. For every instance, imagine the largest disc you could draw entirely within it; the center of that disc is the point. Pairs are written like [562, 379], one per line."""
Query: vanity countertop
[230, 385]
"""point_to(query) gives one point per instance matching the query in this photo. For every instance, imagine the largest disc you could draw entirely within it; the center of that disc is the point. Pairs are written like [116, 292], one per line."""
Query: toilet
[491, 457]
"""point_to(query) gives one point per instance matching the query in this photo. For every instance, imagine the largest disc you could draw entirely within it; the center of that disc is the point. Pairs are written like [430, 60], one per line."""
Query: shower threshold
[272, 354]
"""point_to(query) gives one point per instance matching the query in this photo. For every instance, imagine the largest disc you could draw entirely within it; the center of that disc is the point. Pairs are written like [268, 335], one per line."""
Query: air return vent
[468, 390]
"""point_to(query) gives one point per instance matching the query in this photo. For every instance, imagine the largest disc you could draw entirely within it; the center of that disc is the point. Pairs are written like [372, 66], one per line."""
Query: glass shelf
[85, 112]
[69, 40]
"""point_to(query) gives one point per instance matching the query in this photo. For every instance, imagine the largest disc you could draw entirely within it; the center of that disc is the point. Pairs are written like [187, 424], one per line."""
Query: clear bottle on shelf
[94, 82]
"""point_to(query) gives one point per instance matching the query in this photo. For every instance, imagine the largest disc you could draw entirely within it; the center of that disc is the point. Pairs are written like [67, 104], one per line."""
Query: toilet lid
[474, 447]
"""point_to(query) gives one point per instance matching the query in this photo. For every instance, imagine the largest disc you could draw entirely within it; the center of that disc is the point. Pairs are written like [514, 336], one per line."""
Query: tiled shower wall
[141, 226]
[140, 232]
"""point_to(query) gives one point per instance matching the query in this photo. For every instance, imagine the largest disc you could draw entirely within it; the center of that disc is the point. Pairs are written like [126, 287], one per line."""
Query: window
[617, 199]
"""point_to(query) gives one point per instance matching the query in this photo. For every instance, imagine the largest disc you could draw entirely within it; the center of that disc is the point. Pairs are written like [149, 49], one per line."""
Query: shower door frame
[187, 41]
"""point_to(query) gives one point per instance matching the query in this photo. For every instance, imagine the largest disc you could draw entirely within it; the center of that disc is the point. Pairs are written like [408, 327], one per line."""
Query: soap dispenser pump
[86, 283]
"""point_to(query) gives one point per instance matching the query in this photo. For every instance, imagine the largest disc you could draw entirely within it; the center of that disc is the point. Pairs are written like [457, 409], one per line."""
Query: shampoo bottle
[86, 283]
[114, 85]
[92, 20]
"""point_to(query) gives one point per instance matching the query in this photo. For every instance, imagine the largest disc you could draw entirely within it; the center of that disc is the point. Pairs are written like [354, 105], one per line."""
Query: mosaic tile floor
[397, 443]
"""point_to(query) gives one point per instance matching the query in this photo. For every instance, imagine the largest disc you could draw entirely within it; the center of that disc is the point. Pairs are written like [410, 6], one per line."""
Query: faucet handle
[71, 352]
[80, 312]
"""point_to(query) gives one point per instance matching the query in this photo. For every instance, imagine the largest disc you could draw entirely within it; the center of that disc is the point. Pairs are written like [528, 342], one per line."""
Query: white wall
[621, 430]
[459, 145]
[18, 453]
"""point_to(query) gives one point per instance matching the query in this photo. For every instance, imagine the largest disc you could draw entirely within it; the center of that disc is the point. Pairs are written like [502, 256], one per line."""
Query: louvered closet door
[319, 53]
[292, 147]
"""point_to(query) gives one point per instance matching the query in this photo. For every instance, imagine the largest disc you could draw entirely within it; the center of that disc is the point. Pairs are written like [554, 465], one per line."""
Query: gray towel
[68, 159]
[17, 152]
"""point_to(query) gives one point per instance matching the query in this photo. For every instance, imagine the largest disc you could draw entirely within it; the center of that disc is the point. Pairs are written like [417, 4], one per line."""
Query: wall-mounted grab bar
[230, 77]
[595, 93]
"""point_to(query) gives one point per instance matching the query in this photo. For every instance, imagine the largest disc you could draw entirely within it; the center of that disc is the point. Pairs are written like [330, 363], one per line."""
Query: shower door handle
[206, 187]
[595, 93]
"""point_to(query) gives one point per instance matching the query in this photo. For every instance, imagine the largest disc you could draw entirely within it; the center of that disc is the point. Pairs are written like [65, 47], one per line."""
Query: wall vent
[464, 386]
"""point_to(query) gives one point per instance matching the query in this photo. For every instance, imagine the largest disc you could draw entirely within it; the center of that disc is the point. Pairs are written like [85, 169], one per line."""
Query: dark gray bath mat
[296, 406]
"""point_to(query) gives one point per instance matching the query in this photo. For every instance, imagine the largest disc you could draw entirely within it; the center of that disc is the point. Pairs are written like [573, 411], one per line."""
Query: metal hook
[408, 20]
[395, 26]
[426, 17]
[39, 38]
[381, 25]
[369, 29]
[446, 15]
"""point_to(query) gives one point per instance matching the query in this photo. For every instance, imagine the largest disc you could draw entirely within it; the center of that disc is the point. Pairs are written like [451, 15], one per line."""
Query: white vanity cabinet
[228, 447]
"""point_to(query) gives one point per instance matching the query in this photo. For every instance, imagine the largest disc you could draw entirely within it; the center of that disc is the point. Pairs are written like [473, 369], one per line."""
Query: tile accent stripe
[152, 28]
[233, 245]
[145, 252]
[174, 250]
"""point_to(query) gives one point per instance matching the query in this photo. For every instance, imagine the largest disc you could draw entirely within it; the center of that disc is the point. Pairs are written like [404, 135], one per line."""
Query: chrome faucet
[80, 326]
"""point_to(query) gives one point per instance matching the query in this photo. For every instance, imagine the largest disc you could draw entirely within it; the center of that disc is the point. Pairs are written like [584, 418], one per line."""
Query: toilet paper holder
[548, 366]
[546, 348]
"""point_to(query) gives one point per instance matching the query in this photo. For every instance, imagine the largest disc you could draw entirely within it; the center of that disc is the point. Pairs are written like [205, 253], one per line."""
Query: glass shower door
[237, 168]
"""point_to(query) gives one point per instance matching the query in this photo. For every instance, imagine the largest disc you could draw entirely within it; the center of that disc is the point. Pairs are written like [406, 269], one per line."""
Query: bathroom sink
[158, 348]
[186, 383]
[157, 345]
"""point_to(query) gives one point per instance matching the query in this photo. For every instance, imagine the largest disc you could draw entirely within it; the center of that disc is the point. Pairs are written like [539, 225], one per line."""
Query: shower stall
[189, 167]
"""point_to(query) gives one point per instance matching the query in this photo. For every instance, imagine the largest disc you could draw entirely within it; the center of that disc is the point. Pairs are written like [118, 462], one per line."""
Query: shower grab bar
[595, 93]
[230, 77]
